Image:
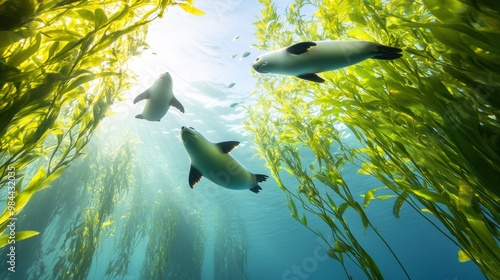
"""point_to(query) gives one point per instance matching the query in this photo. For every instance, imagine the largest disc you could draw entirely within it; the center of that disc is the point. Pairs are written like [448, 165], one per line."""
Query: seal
[159, 97]
[305, 59]
[213, 161]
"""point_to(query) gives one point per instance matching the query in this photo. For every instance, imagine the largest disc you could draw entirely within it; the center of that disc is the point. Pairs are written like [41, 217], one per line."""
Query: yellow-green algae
[61, 67]
[101, 221]
[231, 247]
[109, 178]
[428, 123]
[176, 244]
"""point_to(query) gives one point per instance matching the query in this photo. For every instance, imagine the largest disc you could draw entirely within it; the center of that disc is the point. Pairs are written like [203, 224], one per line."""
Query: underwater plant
[175, 248]
[46, 213]
[427, 124]
[231, 248]
[132, 231]
[61, 67]
[108, 181]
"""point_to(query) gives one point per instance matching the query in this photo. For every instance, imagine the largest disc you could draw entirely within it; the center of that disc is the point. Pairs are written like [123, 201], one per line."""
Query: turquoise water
[200, 60]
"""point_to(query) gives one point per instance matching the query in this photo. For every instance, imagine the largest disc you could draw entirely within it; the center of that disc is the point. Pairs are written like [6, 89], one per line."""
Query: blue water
[200, 61]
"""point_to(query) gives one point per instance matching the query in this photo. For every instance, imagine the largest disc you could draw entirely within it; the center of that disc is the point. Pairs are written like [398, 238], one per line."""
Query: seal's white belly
[222, 169]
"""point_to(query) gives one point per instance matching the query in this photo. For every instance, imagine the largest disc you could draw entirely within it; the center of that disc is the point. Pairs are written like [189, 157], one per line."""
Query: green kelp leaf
[341, 247]
[85, 44]
[327, 219]
[8, 38]
[87, 78]
[446, 10]
[53, 49]
[65, 51]
[11, 74]
[425, 210]
[100, 18]
[20, 235]
[107, 223]
[357, 18]
[304, 219]
[86, 14]
[54, 175]
[25, 54]
[293, 208]
[475, 219]
[58, 35]
[369, 196]
[366, 169]
[57, 131]
[386, 196]
[35, 184]
[342, 208]
[26, 160]
[120, 15]
[362, 214]
[330, 200]
[332, 254]
[446, 36]
[190, 8]
[463, 256]
[429, 195]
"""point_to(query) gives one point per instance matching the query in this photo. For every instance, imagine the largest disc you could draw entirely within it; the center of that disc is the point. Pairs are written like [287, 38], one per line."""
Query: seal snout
[258, 64]
[187, 131]
[166, 77]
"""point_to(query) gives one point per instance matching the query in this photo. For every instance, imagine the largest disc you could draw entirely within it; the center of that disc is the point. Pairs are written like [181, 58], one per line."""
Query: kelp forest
[426, 125]
[62, 66]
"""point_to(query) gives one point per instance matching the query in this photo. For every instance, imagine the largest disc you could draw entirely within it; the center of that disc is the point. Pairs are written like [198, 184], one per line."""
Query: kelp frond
[428, 123]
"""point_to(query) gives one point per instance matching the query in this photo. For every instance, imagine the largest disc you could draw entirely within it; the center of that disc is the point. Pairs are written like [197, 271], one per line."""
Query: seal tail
[259, 178]
[386, 53]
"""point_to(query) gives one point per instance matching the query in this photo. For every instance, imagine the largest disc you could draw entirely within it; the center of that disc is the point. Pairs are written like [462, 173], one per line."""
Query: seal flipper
[300, 48]
[259, 178]
[139, 117]
[177, 104]
[312, 77]
[256, 189]
[384, 52]
[145, 95]
[227, 146]
[194, 176]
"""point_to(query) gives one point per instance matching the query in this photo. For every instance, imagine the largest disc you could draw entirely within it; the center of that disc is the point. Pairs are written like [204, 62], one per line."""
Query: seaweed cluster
[231, 247]
[108, 181]
[427, 124]
[61, 68]
[175, 248]
[132, 231]
[79, 214]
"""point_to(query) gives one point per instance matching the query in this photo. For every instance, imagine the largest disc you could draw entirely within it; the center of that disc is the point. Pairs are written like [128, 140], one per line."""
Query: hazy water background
[198, 52]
